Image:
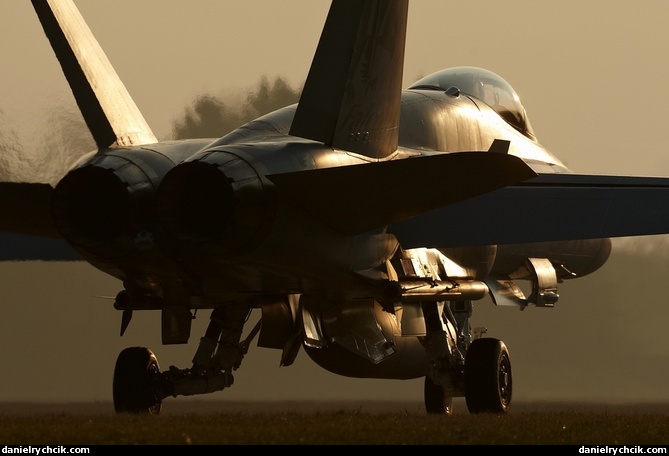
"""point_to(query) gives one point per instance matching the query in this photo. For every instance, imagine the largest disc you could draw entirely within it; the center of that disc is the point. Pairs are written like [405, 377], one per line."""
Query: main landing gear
[487, 381]
[136, 377]
[461, 363]
[478, 369]
[487, 376]
[139, 386]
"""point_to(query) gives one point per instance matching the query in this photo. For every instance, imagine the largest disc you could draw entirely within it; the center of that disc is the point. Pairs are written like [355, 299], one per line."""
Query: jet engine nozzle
[217, 200]
[90, 206]
[101, 205]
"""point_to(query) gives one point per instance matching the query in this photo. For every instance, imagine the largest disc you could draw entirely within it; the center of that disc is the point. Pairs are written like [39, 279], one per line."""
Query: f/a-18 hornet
[362, 222]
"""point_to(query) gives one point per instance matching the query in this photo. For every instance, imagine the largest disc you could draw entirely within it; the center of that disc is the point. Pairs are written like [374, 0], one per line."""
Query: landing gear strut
[140, 386]
[463, 364]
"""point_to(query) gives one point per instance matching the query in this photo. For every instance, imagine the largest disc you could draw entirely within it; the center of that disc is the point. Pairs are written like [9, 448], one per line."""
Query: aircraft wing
[549, 207]
[359, 198]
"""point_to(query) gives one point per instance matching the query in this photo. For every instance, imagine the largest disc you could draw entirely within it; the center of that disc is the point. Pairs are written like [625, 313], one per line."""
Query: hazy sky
[592, 76]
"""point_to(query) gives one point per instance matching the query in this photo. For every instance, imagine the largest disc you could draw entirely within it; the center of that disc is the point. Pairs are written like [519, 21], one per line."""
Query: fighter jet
[363, 222]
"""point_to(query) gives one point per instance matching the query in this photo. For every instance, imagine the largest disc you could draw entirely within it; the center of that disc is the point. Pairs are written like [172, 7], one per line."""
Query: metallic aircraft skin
[363, 221]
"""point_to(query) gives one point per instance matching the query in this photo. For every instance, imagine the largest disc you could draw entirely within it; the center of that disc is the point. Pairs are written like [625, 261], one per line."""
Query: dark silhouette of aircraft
[363, 221]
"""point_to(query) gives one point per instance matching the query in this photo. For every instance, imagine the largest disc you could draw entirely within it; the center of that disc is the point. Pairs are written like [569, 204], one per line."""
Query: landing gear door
[540, 272]
[505, 292]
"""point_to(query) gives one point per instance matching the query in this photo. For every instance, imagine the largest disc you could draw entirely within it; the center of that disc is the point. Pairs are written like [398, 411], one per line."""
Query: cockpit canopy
[485, 86]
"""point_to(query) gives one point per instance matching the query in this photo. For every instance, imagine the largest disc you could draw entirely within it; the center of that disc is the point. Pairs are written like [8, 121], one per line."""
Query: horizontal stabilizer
[550, 207]
[26, 229]
[109, 111]
[25, 208]
[21, 247]
[359, 198]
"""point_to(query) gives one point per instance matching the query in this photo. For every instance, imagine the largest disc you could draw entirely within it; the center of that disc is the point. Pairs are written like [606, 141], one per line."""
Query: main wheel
[436, 400]
[488, 381]
[135, 378]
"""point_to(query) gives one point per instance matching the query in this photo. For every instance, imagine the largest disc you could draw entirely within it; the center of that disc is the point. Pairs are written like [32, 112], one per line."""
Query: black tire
[436, 400]
[488, 380]
[135, 378]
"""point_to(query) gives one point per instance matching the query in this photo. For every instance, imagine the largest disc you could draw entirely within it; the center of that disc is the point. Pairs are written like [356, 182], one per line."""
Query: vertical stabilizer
[351, 98]
[109, 111]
